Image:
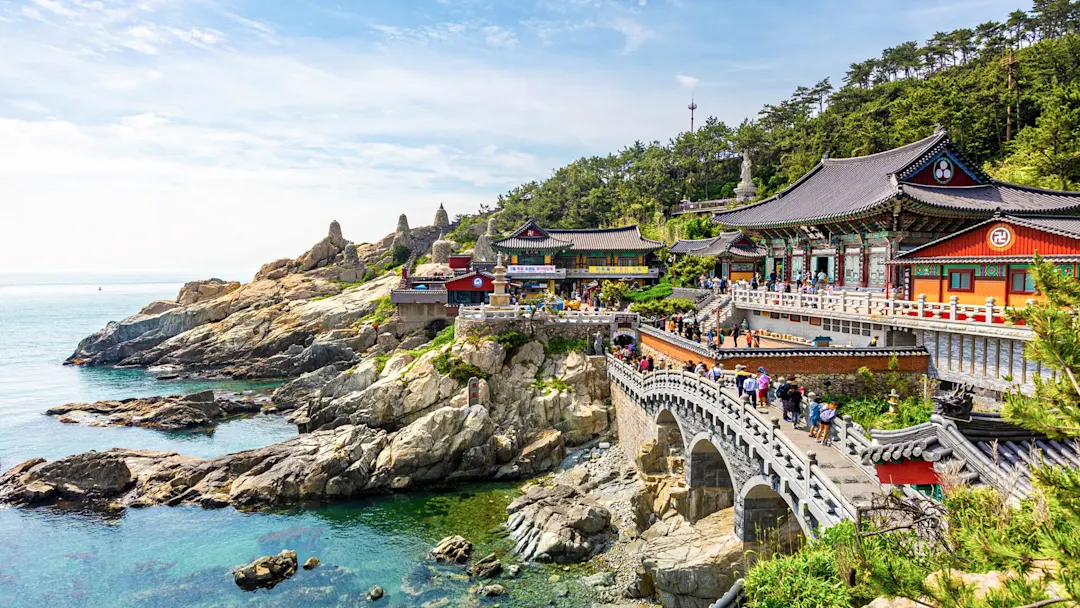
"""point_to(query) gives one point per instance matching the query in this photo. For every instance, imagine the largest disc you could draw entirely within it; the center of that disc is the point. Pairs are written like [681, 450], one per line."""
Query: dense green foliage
[960, 80]
[666, 307]
[873, 412]
[808, 578]
[691, 267]
[659, 291]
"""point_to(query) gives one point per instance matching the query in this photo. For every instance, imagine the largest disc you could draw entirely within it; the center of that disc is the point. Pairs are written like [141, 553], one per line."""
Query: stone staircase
[719, 309]
[857, 484]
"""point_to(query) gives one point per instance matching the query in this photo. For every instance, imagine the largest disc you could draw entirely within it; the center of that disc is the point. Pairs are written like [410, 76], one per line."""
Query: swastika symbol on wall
[1000, 238]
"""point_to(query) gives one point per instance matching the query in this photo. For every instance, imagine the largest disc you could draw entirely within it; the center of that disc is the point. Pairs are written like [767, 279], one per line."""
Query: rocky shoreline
[199, 410]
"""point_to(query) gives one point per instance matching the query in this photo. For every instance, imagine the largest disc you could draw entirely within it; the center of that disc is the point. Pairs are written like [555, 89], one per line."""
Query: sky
[207, 137]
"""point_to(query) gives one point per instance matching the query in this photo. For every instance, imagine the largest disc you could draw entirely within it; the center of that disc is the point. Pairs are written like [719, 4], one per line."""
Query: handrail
[797, 470]
[988, 319]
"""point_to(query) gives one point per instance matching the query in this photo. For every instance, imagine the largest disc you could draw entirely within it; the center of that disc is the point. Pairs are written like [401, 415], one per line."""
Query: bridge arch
[762, 510]
[712, 485]
[670, 436]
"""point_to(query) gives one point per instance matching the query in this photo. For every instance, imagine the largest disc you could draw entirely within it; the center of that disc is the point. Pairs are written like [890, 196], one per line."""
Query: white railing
[711, 408]
[548, 317]
[877, 307]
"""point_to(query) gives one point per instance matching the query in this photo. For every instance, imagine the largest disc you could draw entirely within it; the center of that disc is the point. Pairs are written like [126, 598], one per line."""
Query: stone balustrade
[705, 408]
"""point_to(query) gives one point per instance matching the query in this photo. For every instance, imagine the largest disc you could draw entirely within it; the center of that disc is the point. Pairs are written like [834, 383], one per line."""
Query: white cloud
[499, 37]
[145, 120]
[687, 82]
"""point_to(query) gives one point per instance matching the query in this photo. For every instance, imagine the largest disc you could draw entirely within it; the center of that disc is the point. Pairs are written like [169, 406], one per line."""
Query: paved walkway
[857, 485]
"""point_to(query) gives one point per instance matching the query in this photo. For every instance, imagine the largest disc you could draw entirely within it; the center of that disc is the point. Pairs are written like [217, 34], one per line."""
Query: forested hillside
[1008, 92]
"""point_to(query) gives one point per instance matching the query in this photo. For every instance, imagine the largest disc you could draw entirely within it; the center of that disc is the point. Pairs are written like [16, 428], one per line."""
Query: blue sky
[214, 135]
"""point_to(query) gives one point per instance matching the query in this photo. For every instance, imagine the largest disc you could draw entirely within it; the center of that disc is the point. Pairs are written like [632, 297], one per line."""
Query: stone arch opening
[669, 436]
[712, 487]
[766, 520]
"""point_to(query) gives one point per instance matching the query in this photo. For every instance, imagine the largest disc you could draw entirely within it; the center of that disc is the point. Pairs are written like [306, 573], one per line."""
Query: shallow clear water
[40, 326]
[181, 556]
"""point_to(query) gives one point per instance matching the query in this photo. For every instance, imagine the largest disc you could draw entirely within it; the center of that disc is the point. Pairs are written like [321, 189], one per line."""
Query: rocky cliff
[296, 316]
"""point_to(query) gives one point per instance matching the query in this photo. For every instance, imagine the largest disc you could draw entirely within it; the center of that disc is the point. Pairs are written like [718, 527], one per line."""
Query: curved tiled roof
[834, 188]
[725, 242]
[995, 196]
[988, 449]
[625, 238]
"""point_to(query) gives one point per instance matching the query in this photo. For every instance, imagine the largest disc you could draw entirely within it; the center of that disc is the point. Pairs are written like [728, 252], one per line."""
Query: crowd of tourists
[689, 327]
[757, 388]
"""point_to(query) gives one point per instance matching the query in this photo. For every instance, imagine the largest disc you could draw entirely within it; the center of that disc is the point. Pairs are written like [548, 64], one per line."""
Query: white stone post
[774, 427]
[866, 301]
[844, 430]
[921, 306]
[843, 301]
[990, 309]
[954, 302]
[811, 462]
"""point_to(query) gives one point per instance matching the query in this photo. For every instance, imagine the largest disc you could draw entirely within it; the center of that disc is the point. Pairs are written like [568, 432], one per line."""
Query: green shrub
[666, 307]
[380, 362]
[382, 313]
[444, 337]
[656, 292]
[873, 412]
[457, 369]
[554, 384]
[809, 578]
[401, 254]
[562, 346]
[513, 340]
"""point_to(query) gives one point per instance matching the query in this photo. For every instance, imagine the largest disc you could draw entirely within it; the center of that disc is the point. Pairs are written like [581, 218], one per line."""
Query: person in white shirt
[716, 372]
[750, 387]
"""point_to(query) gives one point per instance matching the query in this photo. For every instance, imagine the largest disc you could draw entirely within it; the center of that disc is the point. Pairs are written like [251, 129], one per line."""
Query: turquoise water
[181, 556]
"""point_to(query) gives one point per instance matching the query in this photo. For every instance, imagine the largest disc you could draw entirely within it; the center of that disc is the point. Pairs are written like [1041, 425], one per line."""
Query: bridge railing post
[954, 304]
[811, 462]
[844, 430]
[921, 306]
[990, 309]
[774, 427]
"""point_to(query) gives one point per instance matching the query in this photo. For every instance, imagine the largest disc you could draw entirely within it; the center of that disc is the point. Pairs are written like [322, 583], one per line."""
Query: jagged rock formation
[442, 220]
[295, 317]
[558, 524]
[441, 250]
[171, 413]
[446, 445]
[692, 565]
[483, 251]
[400, 394]
[453, 549]
[402, 235]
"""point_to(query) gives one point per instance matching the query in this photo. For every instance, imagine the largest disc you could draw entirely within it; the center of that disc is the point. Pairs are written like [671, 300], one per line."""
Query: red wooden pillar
[839, 278]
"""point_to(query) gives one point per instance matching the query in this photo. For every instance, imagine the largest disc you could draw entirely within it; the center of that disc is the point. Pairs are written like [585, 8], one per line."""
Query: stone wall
[464, 328]
[635, 426]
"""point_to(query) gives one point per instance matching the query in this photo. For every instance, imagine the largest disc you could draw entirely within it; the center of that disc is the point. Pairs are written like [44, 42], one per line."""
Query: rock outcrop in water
[267, 571]
[171, 413]
[558, 524]
[296, 316]
[446, 445]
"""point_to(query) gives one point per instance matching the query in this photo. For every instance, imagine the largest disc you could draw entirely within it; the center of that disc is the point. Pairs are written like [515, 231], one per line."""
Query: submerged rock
[171, 413]
[312, 563]
[488, 566]
[558, 524]
[267, 571]
[454, 549]
[375, 593]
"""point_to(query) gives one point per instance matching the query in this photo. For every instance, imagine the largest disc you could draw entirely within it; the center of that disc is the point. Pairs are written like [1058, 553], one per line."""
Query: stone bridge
[741, 456]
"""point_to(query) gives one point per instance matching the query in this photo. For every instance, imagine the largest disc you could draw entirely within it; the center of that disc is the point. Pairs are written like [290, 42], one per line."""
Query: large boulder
[83, 477]
[445, 445]
[692, 565]
[558, 524]
[453, 549]
[197, 291]
[266, 572]
[544, 452]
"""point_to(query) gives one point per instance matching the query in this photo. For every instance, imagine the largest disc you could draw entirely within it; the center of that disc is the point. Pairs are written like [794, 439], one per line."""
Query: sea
[182, 556]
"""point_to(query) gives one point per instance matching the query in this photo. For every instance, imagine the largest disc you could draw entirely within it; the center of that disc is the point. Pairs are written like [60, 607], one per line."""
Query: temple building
[737, 257]
[567, 260]
[991, 259]
[849, 218]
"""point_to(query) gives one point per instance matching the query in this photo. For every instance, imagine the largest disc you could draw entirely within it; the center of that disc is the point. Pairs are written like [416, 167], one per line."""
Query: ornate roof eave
[943, 143]
[863, 213]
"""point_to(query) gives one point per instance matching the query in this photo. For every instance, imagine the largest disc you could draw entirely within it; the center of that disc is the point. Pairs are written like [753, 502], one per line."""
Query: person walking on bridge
[750, 388]
[740, 377]
[763, 380]
[792, 401]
